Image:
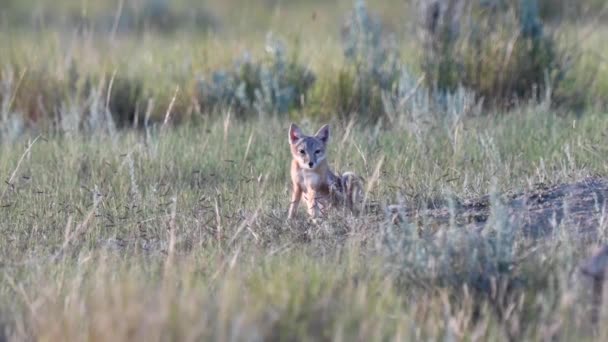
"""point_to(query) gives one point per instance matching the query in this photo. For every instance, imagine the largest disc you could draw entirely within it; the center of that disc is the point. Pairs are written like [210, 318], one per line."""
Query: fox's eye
[317, 151]
[301, 151]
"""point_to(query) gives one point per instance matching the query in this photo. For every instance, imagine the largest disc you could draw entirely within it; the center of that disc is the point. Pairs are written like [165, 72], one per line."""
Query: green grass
[187, 236]
[180, 232]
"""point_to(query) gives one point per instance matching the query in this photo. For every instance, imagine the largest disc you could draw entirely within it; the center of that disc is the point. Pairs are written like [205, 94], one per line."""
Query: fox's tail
[353, 190]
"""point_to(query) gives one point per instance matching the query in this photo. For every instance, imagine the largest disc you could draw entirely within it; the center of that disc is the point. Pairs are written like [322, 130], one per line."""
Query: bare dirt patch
[580, 207]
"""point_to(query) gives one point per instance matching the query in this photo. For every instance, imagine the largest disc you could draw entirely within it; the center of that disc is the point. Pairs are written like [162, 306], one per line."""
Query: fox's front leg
[296, 195]
[313, 204]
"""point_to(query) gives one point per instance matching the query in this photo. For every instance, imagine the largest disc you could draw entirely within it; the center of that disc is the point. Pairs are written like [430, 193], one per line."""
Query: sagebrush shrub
[568, 10]
[454, 256]
[375, 83]
[497, 48]
[273, 85]
[162, 17]
[372, 65]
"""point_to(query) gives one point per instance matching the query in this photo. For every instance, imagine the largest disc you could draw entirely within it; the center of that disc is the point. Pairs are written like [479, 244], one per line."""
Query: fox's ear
[323, 134]
[295, 133]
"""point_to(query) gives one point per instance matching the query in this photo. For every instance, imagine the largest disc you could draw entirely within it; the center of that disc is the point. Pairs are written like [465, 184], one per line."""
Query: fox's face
[308, 151]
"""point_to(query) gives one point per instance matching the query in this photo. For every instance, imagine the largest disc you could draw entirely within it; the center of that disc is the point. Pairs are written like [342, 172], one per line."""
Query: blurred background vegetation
[81, 63]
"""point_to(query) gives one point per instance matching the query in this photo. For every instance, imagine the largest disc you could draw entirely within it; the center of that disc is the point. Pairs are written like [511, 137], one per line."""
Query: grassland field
[178, 231]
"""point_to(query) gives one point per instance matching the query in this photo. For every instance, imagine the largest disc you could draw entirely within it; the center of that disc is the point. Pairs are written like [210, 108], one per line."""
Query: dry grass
[122, 238]
[180, 233]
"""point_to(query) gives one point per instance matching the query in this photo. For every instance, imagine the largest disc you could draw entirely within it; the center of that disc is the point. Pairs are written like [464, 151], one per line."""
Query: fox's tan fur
[312, 177]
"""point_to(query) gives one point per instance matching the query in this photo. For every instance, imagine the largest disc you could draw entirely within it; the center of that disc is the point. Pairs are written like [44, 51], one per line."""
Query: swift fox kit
[312, 178]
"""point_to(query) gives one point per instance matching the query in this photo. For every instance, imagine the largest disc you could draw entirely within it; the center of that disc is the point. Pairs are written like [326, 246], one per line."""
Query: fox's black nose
[310, 164]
